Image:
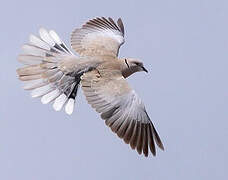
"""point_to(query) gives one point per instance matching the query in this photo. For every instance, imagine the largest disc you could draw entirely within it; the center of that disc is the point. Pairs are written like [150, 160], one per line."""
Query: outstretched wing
[121, 108]
[99, 36]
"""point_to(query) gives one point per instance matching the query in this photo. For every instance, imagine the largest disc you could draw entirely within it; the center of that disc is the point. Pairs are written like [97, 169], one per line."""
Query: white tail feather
[42, 74]
[55, 36]
[46, 37]
[29, 59]
[59, 102]
[69, 106]
[50, 96]
[32, 50]
[41, 91]
[38, 42]
[35, 84]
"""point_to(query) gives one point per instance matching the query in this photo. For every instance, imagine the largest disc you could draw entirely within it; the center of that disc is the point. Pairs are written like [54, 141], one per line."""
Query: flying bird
[54, 73]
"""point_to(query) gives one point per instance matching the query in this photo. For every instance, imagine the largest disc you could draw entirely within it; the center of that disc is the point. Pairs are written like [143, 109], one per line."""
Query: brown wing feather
[121, 109]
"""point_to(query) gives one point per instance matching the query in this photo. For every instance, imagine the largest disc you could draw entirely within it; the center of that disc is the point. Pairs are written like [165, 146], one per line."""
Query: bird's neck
[125, 69]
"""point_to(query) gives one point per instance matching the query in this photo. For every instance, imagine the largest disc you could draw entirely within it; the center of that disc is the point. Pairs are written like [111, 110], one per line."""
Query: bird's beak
[144, 69]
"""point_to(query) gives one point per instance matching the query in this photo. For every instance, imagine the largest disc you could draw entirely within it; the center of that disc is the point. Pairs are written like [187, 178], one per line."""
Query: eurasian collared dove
[54, 73]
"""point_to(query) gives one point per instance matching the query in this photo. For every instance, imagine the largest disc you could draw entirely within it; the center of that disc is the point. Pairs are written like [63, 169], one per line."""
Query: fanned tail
[41, 73]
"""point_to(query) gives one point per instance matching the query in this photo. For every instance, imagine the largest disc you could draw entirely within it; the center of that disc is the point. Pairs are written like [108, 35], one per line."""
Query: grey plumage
[54, 73]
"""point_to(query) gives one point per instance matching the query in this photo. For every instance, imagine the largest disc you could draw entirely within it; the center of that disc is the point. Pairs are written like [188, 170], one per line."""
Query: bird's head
[131, 65]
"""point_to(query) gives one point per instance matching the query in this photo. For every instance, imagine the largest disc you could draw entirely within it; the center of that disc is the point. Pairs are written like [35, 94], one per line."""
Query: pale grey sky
[183, 44]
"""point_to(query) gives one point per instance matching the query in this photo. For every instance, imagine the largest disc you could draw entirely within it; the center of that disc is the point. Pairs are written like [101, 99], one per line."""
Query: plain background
[183, 44]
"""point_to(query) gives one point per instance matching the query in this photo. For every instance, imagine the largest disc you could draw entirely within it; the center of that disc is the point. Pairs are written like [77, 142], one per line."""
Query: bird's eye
[138, 64]
[127, 63]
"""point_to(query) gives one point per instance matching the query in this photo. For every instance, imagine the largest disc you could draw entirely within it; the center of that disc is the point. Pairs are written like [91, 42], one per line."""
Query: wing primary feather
[139, 140]
[157, 138]
[90, 27]
[126, 118]
[123, 127]
[107, 114]
[117, 124]
[151, 140]
[145, 140]
[129, 132]
[112, 23]
[107, 23]
[98, 23]
[133, 140]
[155, 134]
[120, 24]
[115, 120]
